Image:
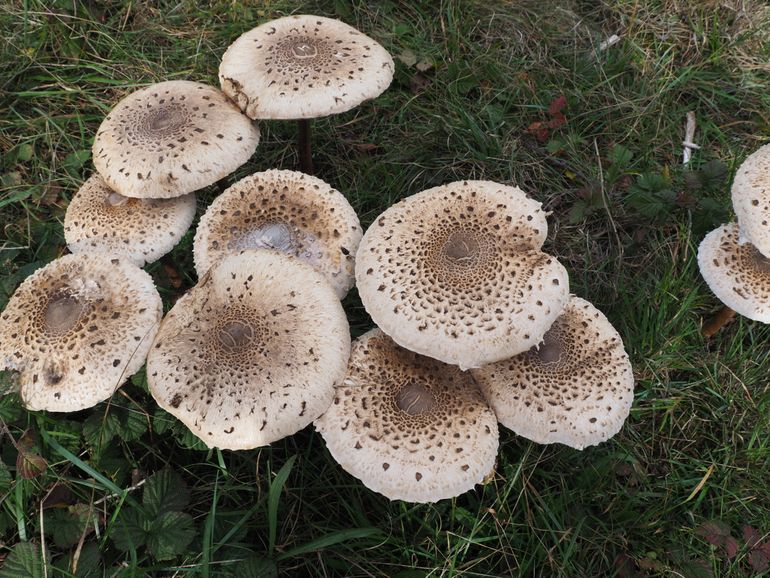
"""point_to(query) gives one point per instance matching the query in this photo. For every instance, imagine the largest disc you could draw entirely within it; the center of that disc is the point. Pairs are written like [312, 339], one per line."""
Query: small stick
[689, 136]
[717, 321]
[611, 41]
[305, 157]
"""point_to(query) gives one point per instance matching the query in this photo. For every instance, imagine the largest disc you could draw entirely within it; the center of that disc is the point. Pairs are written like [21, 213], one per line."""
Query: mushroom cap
[251, 354]
[288, 211]
[408, 426]
[170, 139]
[455, 272]
[77, 328]
[574, 388]
[101, 220]
[751, 198]
[738, 274]
[303, 66]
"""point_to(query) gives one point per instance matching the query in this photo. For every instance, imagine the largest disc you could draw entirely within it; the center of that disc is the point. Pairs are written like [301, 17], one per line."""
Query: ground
[521, 92]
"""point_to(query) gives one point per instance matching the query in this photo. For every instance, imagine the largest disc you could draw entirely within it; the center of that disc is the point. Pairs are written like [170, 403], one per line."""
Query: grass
[626, 221]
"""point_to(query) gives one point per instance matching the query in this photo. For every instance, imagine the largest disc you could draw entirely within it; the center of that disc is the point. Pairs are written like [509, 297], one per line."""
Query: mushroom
[738, 274]
[99, 219]
[251, 354]
[456, 273]
[288, 211]
[751, 199]
[408, 426]
[574, 388]
[170, 139]
[302, 67]
[77, 328]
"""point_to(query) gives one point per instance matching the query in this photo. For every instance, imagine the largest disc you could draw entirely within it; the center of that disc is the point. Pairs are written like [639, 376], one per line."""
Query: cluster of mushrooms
[475, 322]
[734, 259]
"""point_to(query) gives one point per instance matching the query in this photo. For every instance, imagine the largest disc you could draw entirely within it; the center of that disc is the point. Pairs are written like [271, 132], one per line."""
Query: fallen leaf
[424, 65]
[408, 57]
[173, 276]
[539, 131]
[29, 463]
[717, 321]
[419, 83]
[557, 120]
[625, 566]
[365, 147]
[557, 105]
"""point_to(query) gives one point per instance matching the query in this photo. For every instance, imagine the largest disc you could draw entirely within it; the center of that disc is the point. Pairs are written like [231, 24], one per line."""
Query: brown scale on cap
[250, 354]
[456, 273]
[287, 211]
[751, 199]
[170, 139]
[738, 274]
[303, 67]
[408, 426]
[76, 329]
[99, 219]
[574, 388]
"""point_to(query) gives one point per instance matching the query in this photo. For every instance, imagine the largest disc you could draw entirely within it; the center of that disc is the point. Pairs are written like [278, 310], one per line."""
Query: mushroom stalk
[305, 156]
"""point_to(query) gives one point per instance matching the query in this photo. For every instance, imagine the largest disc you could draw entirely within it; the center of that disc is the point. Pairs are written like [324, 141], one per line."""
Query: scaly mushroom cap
[408, 426]
[101, 220]
[251, 354]
[303, 67]
[455, 273]
[288, 211]
[77, 328]
[738, 274]
[751, 199]
[574, 388]
[170, 139]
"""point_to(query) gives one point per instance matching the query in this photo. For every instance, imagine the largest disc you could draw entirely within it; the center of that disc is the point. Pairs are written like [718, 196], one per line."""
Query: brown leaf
[717, 321]
[366, 147]
[557, 120]
[557, 105]
[750, 536]
[29, 463]
[625, 566]
[759, 560]
[173, 276]
[539, 131]
[419, 83]
[58, 496]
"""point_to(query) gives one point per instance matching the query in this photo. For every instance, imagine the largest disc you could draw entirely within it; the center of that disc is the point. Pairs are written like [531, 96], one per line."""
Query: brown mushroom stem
[303, 143]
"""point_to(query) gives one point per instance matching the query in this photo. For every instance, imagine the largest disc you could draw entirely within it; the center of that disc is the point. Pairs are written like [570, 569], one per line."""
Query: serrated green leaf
[24, 561]
[162, 421]
[188, 439]
[620, 156]
[165, 491]
[89, 562]
[65, 525]
[171, 533]
[5, 478]
[99, 429]
[130, 530]
[256, 566]
[133, 424]
[10, 405]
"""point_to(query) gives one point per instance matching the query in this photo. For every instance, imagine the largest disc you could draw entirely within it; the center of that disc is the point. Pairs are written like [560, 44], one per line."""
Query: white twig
[611, 41]
[129, 489]
[689, 137]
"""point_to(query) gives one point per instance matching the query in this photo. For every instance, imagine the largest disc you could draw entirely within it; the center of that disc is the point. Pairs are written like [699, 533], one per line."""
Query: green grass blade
[329, 540]
[274, 496]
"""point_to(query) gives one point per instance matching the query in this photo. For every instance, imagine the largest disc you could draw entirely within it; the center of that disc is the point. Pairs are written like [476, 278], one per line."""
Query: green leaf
[130, 530]
[273, 497]
[188, 439]
[620, 156]
[256, 566]
[66, 525]
[171, 533]
[329, 540]
[165, 491]
[5, 478]
[89, 562]
[24, 561]
[162, 421]
[99, 429]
